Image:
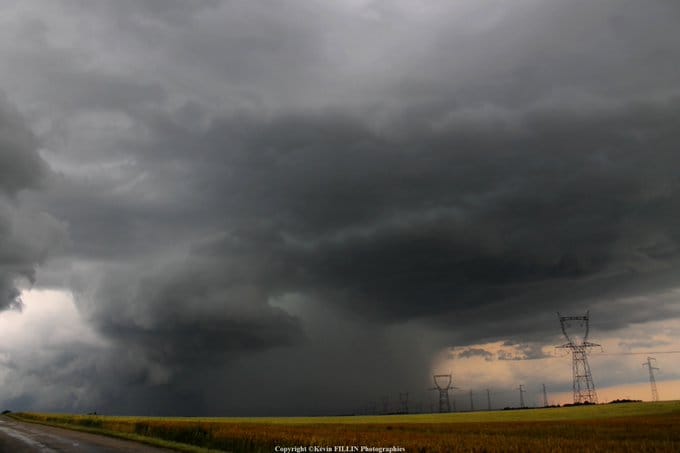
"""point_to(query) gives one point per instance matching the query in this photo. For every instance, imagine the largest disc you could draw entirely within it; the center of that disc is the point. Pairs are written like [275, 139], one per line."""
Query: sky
[306, 207]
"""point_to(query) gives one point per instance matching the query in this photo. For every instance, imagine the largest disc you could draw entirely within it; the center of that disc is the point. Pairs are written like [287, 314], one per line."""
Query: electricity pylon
[545, 397]
[372, 408]
[442, 382]
[652, 381]
[472, 404]
[403, 403]
[385, 405]
[521, 396]
[488, 399]
[583, 386]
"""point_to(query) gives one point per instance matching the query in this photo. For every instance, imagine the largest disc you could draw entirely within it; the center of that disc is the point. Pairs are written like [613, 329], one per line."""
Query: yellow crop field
[633, 427]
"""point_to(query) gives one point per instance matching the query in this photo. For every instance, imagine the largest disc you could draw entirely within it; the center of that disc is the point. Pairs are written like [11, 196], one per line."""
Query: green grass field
[630, 427]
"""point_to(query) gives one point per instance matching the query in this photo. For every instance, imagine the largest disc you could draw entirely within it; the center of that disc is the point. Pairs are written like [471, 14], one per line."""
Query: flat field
[629, 427]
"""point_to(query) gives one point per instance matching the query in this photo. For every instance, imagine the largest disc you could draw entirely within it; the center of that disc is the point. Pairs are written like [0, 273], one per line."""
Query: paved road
[19, 437]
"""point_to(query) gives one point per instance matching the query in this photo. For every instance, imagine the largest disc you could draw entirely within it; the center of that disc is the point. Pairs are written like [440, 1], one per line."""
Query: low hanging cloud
[473, 352]
[21, 166]
[564, 203]
[185, 312]
[435, 223]
[26, 237]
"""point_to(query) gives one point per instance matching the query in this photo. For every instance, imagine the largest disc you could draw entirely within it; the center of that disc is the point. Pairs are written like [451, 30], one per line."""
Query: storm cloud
[437, 223]
[20, 164]
[247, 187]
[26, 237]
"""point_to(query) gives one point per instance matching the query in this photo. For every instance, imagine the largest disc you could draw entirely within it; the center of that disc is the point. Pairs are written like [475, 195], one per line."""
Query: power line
[636, 353]
[597, 354]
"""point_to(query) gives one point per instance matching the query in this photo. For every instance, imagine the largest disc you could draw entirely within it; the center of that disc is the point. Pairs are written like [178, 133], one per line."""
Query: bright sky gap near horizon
[300, 207]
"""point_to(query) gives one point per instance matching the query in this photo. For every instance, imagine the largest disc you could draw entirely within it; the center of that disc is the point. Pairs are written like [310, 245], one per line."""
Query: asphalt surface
[19, 437]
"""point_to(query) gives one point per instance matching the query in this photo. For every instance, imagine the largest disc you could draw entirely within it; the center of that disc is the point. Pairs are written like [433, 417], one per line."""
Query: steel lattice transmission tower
[652, 381]
[488, 399]
[583, 386]
[442, 382]
[521, 396]
[403, 403]
[385, 405]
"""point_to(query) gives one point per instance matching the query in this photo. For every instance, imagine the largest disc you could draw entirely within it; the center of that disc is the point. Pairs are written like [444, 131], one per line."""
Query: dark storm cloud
[20, 165]
[438, 222]
[473, 352]
[25, 237]
[494, 226]
[526, 351]
[25, 241]
[157, 10]
[463, 171]
[191, 310]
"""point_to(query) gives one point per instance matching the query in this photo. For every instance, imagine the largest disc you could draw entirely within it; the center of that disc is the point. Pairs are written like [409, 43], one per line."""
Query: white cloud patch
[47, 350]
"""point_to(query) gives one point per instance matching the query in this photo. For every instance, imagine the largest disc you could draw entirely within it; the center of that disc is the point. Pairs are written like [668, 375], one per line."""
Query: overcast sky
[300, 206]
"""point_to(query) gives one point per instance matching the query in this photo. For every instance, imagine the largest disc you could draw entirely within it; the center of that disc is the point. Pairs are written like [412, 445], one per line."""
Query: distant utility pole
[472, 404]
[582, 380]
[403, 403]
[488, 399]
[545, 397]
[372, 408]
[442, 382]
[521, 396]
[652, 381]
[386, 405]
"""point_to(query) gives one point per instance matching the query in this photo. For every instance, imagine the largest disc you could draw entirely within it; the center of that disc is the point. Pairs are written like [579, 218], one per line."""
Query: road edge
[152, 441]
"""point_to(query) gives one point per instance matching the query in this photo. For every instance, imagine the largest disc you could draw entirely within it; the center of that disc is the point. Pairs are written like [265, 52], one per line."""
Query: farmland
[633, 427]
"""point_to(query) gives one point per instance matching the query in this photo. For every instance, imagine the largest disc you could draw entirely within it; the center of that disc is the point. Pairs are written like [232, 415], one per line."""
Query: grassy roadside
[618, 427]
[152, 441]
